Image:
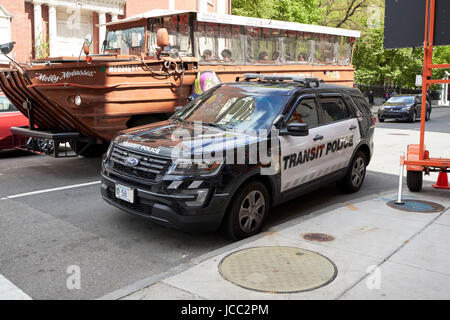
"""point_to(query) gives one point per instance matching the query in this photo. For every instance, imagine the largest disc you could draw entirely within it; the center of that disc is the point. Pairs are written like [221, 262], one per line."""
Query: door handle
[318, 137]
[352, 127]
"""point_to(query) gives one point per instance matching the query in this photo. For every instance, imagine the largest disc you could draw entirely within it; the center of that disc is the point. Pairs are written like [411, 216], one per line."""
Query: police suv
[239, 149]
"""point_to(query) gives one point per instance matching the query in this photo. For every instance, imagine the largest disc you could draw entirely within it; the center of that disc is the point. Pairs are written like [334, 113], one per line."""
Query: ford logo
[131, 162]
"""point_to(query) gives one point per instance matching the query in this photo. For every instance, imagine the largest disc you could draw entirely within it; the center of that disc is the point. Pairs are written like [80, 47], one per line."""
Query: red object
[374, 120]
[9, 117]
[418, 159]
[442, 181]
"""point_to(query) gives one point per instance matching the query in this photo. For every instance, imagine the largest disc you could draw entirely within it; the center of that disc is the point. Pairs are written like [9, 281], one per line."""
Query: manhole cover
[321, 237]
[417, 206]
[278, 269]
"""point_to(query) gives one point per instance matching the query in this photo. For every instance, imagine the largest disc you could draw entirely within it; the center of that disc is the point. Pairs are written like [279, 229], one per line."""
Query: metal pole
[400, 180]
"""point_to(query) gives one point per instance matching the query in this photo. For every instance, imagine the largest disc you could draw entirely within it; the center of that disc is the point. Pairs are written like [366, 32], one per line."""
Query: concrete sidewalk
[411, 251]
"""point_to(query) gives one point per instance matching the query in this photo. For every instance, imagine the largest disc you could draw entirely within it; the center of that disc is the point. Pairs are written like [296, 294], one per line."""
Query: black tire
[380, 119]
[92, 151]
[414, 180]
[355, 175]
[413, 117]
[235, 221]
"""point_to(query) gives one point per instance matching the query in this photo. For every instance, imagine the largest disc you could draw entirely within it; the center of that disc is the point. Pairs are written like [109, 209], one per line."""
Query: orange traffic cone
[442, 181]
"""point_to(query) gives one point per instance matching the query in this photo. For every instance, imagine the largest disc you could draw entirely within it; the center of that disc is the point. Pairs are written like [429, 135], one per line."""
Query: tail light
[374, 120]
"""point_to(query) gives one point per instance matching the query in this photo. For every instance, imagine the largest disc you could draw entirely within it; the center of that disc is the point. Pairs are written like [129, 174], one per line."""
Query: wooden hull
[111, 92]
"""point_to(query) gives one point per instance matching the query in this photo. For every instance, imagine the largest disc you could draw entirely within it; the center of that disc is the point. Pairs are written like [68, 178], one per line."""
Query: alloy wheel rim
[252, 211]
[358, 171]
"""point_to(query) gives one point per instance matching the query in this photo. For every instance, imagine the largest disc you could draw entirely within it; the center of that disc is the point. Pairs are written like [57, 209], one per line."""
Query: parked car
[403, 107]
[9, 117]
[325, 135]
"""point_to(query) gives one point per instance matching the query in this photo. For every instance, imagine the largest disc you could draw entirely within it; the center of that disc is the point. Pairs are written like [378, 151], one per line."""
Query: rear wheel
[356, 173]
[248, 211]
[414, 180]
[88, 151]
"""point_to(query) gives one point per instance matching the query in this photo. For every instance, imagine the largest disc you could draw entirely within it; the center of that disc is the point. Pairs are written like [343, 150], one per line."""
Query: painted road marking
[50, 190]
[9, 291]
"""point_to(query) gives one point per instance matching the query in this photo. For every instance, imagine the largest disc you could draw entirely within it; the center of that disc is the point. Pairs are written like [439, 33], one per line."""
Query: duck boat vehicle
[148, 66]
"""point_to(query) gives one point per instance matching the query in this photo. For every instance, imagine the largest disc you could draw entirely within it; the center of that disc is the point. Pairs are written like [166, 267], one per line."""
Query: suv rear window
[333, 109]
[361, 104]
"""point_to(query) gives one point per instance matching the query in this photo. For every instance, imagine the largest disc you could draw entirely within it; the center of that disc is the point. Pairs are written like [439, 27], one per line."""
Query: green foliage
[398, 67]
[305, 11]
[302, 11]
[42, 50]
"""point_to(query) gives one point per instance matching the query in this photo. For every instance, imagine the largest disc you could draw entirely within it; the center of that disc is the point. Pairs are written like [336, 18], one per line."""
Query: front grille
[149, 168]
[145, 209]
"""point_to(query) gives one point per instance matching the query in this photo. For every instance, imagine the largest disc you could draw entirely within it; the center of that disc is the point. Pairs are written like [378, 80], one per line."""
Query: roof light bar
[270, 77]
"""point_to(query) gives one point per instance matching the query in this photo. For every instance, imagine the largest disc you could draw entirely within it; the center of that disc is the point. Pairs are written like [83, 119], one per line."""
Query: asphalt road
[42, 234]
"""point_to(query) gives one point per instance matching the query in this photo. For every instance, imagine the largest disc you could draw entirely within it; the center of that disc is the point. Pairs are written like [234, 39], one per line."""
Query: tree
[302, 11]
[338, 13]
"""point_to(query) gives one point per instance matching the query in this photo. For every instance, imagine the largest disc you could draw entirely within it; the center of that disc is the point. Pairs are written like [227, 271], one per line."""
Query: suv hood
[160, 138]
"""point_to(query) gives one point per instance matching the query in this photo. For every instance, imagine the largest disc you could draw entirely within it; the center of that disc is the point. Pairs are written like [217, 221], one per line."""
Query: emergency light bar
[269, 77]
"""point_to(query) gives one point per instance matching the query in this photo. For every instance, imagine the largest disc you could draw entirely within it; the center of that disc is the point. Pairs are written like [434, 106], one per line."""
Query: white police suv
[239, 149]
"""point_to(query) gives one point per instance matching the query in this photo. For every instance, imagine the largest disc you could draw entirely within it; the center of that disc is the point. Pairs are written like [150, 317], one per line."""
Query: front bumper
[167, 209]
[401, 114]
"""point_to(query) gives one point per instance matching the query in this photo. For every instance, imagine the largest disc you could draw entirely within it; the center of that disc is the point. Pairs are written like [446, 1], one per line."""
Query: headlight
[406, 108]
[381, 108]
[191, 167]
[77, 100]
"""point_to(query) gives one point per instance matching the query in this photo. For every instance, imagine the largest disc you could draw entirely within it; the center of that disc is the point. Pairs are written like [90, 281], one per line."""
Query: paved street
[44, 233]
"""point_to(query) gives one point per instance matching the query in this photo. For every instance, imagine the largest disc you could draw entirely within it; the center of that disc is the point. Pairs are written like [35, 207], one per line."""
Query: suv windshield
[236, 107]
[404, 99]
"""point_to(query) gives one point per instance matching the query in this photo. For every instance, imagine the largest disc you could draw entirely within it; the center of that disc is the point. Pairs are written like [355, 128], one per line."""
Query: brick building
[58, 27]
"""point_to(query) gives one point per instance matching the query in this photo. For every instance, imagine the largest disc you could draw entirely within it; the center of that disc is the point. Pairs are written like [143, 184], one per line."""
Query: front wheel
[380, 119]
[414, 180]
[248, 211]
[413, 118]
[355, 175]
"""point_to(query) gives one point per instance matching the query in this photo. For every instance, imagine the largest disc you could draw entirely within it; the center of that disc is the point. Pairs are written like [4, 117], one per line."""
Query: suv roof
[290, 83]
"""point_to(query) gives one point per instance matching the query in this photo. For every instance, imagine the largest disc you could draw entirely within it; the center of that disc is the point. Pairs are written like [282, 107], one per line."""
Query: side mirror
[295, 129]
[162, 38]
[87, 43]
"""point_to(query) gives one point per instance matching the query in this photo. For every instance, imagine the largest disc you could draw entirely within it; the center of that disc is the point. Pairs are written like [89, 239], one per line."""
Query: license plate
[124, 193]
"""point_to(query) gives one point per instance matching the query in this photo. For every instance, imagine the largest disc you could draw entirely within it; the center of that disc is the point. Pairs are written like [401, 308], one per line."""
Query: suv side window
[361, 104]
[333, 108]
[305, 112]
